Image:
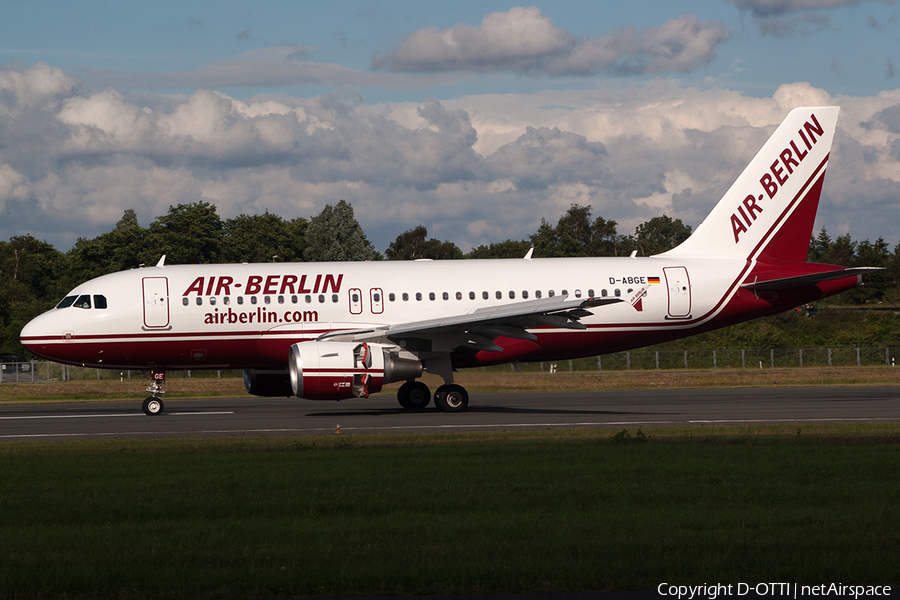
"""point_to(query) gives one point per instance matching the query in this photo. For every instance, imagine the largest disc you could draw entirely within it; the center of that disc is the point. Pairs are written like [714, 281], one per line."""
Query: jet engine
[337, 370]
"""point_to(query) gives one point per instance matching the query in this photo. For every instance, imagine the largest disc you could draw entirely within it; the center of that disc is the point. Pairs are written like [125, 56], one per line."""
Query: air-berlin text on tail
[225, 285]
[778, 174]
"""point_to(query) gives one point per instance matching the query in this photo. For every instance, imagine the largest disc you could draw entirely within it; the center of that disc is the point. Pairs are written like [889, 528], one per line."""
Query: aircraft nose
[34, 333]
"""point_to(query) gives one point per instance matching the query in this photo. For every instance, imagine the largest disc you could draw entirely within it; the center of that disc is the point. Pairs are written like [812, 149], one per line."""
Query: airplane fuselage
[248, 315]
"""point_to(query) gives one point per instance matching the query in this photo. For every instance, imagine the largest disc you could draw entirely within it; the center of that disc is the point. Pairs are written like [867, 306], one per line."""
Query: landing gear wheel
[152, 406]
[414, 395]
[451, 398]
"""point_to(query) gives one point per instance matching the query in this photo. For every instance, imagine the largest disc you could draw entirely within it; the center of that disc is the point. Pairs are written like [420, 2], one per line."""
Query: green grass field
[339, 515]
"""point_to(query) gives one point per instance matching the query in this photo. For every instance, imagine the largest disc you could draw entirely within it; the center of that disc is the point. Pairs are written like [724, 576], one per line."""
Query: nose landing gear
[152, 404]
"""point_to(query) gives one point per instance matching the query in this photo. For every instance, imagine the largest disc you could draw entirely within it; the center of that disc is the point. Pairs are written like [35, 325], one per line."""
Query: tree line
[34, 275]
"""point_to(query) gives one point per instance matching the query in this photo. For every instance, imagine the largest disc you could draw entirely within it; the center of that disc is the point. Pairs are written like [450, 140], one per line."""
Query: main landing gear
[153, 405]
[415, 395]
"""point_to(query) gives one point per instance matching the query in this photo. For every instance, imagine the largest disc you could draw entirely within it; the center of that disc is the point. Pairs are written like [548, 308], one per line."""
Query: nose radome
[34, 328]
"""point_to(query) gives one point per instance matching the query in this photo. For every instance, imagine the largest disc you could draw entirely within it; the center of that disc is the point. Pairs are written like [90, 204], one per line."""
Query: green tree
[262, 238]
[33, 278]
[660, 234]
[818, 246]
[188, 234]
[125, 247]
[335, 234]
[841, 252]
[128, 220]
[413, 244]
[576, 235]
[504, 249]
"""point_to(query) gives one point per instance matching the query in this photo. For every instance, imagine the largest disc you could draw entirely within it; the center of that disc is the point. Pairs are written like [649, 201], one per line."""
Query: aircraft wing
[787, 283]
[478, 329]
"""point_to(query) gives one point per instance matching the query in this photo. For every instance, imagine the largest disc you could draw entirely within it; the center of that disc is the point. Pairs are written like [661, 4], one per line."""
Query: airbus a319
[328, 331]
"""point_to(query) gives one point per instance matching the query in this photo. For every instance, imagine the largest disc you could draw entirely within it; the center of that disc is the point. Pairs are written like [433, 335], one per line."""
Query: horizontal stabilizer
[788, 283]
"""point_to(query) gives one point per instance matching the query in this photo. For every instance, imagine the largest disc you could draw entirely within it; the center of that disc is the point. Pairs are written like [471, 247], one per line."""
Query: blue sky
[475, 119]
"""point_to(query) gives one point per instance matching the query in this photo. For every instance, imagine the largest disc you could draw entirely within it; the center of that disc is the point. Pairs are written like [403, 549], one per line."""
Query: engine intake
[267, 383]
[337, 370]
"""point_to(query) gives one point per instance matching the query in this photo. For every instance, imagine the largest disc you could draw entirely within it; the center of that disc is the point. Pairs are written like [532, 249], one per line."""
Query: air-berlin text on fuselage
[225, 285]
[778, 174]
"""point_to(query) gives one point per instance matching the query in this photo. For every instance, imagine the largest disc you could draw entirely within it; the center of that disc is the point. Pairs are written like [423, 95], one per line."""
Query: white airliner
[327, 331]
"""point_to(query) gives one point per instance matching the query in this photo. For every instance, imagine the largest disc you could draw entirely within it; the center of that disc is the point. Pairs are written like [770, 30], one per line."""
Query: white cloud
[523, 40]
[473, 170]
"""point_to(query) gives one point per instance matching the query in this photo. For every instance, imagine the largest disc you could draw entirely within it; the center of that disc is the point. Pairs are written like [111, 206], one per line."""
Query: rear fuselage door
[156, 302]
[679, 286]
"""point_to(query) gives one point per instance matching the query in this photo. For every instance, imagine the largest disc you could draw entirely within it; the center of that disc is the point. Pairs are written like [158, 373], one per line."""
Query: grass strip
[475, 381]
[374, 515]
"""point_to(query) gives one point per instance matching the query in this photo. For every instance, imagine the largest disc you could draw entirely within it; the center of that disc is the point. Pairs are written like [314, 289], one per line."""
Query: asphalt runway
[487, 412]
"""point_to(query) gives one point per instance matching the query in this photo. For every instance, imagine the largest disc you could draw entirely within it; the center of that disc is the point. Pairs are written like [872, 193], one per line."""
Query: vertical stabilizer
[771, 208]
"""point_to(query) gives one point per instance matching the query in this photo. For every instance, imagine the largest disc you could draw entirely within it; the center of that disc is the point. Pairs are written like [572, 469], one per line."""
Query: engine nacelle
[337, 370]
[268, 383]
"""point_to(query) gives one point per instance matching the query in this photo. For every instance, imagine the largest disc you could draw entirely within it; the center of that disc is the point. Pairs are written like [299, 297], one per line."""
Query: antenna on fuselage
[162, 261]
[530, 252]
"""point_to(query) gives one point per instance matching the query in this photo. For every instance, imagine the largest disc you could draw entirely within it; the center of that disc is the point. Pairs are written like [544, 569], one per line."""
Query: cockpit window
[83, 301]
[66, 302]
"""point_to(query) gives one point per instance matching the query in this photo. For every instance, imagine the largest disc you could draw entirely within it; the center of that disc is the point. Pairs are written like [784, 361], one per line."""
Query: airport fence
[723, 358]
[719, 358]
